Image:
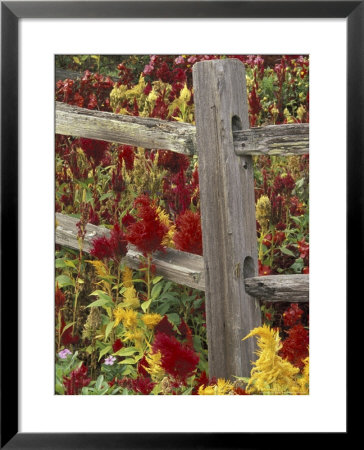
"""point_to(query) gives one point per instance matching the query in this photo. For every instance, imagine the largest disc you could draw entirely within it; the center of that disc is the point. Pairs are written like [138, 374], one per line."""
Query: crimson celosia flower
[67, 337]
[143, 363]
[60, 298]
[177, 359]
[114, 247]
[188, 236]
[127, 220]
[117, 345]
[164, 326]
[295, 347]
[143, 385]
[101, 248]
[148, 232]
[126, 154]
[94, 150]
[172, 161]
[76, 381]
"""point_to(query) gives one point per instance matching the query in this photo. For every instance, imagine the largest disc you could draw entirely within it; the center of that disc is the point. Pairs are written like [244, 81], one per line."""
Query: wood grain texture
[180, 267]
[283, 140]
[279, 288]
[130, 130]
[228, 216]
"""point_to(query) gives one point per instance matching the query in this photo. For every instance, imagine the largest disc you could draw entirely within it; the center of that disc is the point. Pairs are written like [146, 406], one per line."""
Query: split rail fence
[228, 270]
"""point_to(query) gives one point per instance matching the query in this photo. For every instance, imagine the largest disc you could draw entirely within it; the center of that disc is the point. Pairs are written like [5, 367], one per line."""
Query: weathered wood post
[228, 216]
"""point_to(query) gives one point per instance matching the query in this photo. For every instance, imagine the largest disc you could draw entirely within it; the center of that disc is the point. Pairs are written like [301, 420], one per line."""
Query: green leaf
[105, 350]
[156, 291]
[109, 327]
[99, 382]
[100, 302]
[156, 279]
[187, 391]
[287, 252]
[104, 196]
[145, 305]
[127, 351]
[69, 325]
[76, 60]
[128, 361]
[174, 318]
[64, 280]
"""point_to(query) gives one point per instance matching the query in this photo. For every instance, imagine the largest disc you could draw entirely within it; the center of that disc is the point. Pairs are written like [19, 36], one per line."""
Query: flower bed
[123, 331]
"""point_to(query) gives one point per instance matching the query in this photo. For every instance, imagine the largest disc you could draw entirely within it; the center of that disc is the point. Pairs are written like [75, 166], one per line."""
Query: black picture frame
[11, 12]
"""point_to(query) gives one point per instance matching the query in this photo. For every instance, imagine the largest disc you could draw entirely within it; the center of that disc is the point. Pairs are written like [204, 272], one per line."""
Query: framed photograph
[118, 325]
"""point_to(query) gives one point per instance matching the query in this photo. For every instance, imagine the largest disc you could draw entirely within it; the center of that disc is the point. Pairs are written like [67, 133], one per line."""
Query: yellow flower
[118, 315]
[271, 374]
[127, 316]
[164, 218]
[151, 320]
[154, 368]
[208, 390]
[301, 111]
[131, 299]
[136, 336]
[263, 212]
[127, 277]
[223, 387]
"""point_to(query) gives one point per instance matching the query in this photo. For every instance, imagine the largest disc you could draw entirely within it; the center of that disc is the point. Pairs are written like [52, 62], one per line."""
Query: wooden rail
[187, 268]
[284, 140]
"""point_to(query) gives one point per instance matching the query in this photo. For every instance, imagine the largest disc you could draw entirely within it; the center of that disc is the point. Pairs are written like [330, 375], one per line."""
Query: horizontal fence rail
[187, 268]
[283, 140]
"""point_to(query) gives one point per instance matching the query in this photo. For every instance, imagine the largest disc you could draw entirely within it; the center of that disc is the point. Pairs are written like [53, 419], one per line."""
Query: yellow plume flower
[271, 374]
[151, 320]
[136, 336]
[263, 212]
[127, 277]
[131, 299]
[154, 368]
[208, 390]
[128, 317]
[164, 218]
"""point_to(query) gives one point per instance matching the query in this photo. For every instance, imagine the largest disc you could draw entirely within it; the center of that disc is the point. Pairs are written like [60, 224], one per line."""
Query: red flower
[143, 363]
[172, 161]
[292, 315]
[94, 150]
[306, 270]
[60, 298]
[264, 270]
[177, 359]
[148, 232]
[188, 236]
[126, 154]
[67, 337]
[117, 345]
[295, 347]
[143, 385]
[164, 326]
[76, 381]
[114, 247]
[239, 391]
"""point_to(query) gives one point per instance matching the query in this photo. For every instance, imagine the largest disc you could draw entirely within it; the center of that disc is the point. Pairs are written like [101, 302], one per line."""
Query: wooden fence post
[228, 216]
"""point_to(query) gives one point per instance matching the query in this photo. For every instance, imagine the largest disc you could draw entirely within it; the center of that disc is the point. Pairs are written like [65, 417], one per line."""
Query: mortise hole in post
[236, 124]
[248, 269]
